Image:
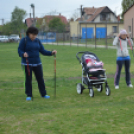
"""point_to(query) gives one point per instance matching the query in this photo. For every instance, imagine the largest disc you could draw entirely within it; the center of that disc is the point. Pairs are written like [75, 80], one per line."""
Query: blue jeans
[120, 62]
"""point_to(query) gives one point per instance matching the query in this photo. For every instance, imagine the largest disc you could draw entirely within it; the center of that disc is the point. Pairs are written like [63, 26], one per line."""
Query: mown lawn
[68, 113]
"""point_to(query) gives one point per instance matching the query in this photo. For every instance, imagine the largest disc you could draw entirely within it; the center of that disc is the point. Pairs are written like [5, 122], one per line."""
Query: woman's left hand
[54, 52]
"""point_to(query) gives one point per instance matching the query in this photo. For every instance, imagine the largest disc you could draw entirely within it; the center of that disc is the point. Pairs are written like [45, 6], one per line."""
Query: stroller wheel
[91, 92]
[100, 88]
[79, 88]
[108, 91]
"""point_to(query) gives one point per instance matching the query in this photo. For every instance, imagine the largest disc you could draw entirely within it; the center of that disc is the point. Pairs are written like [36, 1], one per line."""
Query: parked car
[4, 38]
[14, 37]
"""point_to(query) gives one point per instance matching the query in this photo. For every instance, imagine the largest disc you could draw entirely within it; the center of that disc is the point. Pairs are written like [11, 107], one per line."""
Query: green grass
[68, 113]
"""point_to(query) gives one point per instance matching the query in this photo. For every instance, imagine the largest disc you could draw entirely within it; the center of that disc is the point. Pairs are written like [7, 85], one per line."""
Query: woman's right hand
[25, 55]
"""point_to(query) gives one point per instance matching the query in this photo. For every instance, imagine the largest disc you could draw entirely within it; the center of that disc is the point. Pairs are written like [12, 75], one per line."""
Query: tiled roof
[29, 22]
[78, 19]
[93, 11]
[48, 18]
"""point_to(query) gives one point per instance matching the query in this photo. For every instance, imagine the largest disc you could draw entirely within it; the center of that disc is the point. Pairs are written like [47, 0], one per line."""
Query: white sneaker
[130, 85]
[116, 87]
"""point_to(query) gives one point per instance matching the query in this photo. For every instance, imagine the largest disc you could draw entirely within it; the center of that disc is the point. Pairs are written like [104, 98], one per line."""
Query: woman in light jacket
[123, 58]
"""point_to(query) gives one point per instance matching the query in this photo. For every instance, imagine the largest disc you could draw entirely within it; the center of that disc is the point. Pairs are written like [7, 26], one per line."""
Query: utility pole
[2, 21]
[34, 20]
[30, 15]
[81, 11]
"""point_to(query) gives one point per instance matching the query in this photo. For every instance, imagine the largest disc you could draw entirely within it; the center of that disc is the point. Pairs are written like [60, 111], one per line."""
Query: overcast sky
[44, 7]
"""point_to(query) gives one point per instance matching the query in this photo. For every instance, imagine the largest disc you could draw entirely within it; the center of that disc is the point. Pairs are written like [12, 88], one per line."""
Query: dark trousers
[118, 71]
[39, 77]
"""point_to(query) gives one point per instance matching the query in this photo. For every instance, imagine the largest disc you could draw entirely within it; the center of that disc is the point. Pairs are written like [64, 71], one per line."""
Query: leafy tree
[126, 4]
[57, 25]
[6, 29]
[40, 24]
[17, 18]
[16, 24]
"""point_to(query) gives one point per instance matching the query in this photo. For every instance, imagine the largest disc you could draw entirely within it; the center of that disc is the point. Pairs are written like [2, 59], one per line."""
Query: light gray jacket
[124, 43]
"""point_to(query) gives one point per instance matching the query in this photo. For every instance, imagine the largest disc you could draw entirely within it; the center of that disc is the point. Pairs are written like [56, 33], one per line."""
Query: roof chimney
[118, 17]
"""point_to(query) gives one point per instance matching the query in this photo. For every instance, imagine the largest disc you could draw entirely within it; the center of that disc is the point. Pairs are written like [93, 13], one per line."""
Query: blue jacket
[32, 48]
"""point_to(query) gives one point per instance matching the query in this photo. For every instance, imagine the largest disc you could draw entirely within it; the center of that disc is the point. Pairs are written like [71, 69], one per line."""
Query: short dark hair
[32, 30]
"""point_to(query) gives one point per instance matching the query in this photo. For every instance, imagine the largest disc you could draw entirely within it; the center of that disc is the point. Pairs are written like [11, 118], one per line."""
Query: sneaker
[46, 97]
[116, 87]
[28, 98]
[130, 85]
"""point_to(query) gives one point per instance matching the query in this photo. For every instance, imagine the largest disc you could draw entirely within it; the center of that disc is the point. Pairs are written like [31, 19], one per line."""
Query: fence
[84, 33]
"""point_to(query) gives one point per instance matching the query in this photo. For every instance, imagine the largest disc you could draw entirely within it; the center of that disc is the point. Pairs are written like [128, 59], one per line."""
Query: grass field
[68, 113]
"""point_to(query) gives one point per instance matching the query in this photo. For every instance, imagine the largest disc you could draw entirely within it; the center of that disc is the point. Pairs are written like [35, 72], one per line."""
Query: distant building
[105, 20]
[129, 20]
[46, 19]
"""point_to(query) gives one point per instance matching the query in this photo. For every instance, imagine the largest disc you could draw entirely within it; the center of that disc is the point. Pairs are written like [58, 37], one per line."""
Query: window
[105, 17]
[129, 29]
[115, 29]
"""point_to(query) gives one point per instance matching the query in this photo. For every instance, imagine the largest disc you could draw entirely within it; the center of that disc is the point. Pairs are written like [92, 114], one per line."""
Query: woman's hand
[54, 52]
[25, 55]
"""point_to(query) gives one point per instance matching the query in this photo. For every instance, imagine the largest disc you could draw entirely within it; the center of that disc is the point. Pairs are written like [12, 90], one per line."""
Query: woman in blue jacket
[29, 49]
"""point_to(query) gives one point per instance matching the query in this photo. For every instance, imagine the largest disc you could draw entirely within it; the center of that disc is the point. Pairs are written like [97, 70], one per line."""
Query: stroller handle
[82, 52]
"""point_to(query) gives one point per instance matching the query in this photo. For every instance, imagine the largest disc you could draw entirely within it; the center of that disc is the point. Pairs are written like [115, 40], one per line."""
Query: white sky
[65, 7]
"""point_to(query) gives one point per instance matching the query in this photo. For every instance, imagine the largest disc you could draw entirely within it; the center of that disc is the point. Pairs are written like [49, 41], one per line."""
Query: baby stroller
[93, 74]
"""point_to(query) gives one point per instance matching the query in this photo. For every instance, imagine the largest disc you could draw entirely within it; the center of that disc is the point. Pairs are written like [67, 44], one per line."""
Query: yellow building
[98, 22]
[77, 29]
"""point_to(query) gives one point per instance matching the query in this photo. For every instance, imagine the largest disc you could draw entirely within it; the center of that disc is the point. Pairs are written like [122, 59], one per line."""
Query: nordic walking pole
[28, 70]
[55, 75]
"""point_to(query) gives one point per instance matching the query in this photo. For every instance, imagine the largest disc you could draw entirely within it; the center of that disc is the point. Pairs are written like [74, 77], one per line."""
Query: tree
[126, 4]
[75, 15]
[17, 18]
[57, 25]
[6, 29]
[40, 23]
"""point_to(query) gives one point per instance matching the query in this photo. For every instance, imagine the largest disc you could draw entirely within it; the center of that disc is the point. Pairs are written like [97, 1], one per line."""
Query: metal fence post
[77, 35]
[63, 37]
[86, 34]
[70, 37]
[118, 27]
[95, 35]
[57, 38]
[106, 35]
[80, 34]
[132, 28]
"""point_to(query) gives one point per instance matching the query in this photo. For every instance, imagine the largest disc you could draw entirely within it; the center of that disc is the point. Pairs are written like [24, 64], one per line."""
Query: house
[129, 20]
[48, 18]
[100, 14]
[29, 22]
[45, 20]
[102, 19]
